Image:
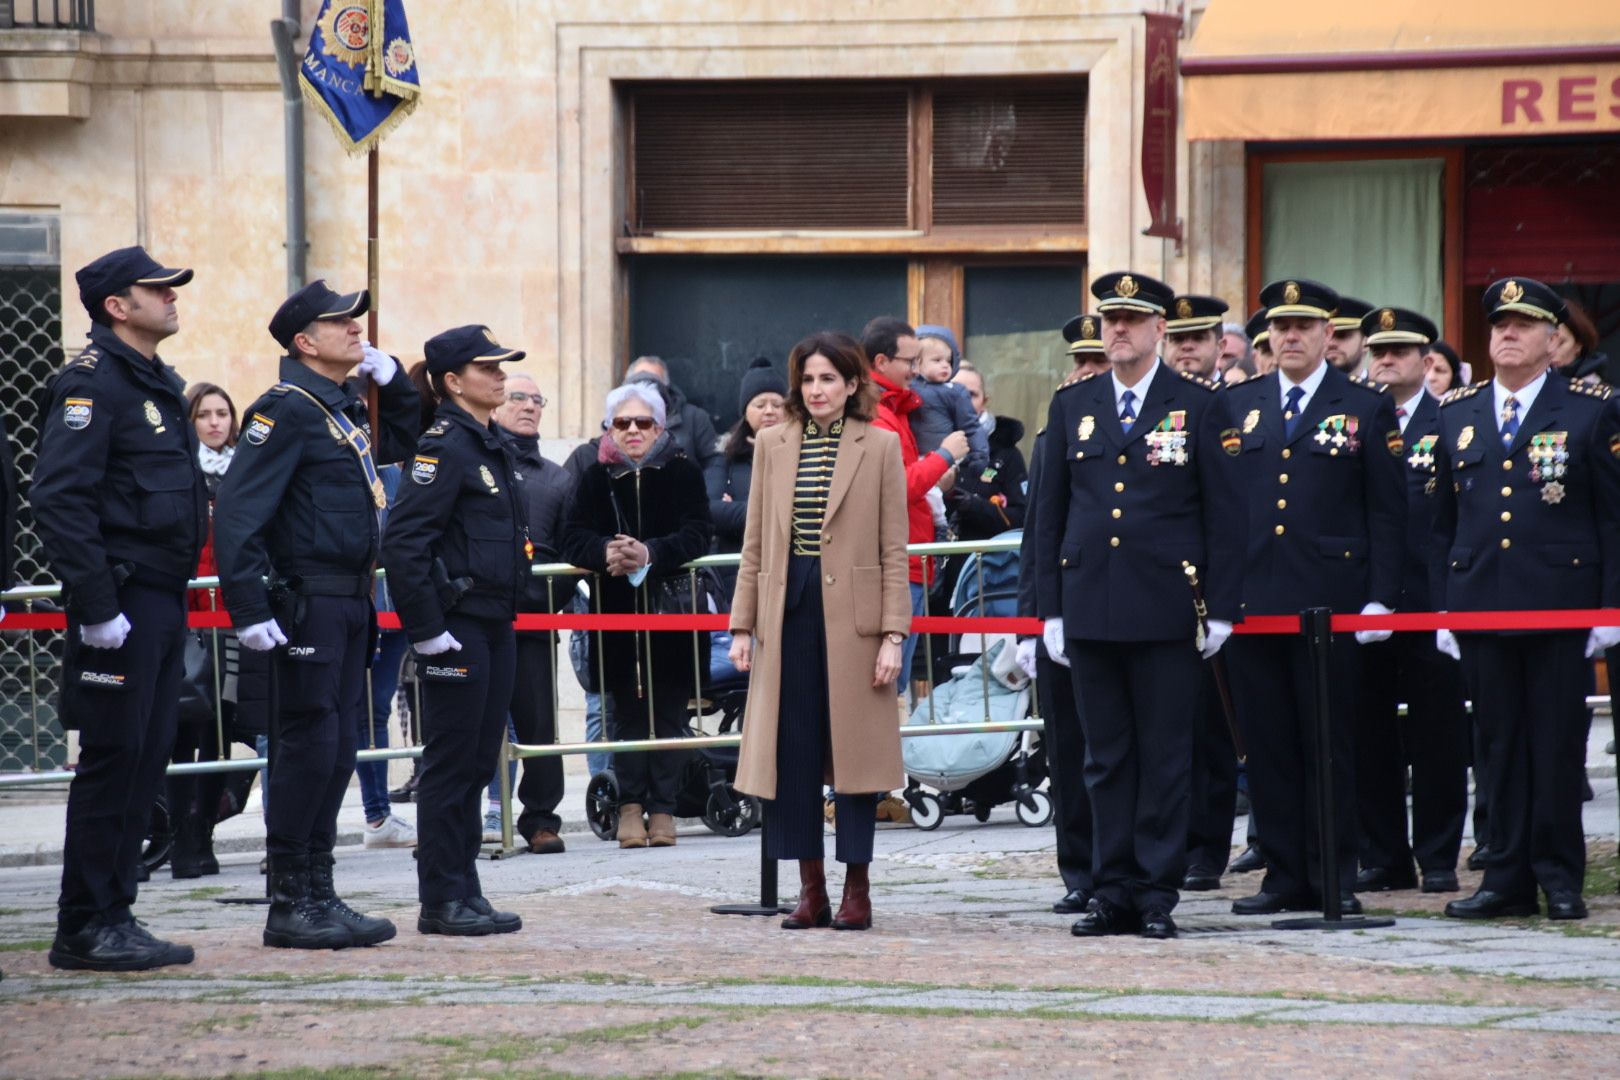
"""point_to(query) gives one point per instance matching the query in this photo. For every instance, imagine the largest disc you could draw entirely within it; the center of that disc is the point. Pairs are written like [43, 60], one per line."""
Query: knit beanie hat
[760, 378]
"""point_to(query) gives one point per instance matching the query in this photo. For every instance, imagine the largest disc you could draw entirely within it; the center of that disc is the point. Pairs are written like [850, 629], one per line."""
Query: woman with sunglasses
[638, 515]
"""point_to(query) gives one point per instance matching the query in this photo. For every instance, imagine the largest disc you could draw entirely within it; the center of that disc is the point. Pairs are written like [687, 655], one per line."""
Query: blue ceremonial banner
[360, 69]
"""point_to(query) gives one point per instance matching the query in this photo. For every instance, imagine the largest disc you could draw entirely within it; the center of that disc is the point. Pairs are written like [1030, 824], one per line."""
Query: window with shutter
[1010, 153]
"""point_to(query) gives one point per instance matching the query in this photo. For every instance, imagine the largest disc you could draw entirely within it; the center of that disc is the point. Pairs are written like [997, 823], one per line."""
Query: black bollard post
[1316, 625]
[768, 902]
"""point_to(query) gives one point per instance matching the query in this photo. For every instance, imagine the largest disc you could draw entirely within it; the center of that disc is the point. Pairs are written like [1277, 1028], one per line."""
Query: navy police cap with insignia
[1298, 298]
[1397, 326]
[315, 301]
[1256, 328]
[1190, 314]
[1351, 312]
[1523, 296]
[1084, 334]
[118, 270]
[464, 345]
[1125, 291]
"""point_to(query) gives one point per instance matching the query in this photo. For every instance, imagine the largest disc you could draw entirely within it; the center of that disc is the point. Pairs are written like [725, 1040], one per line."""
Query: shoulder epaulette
[438, 427]
[1075, 380]
[87, 360]
[278, 390]
[1253, 378]
[1194, 377]
[1370, 383]
[1464, 392]
[1601, 391]
[1041, 432]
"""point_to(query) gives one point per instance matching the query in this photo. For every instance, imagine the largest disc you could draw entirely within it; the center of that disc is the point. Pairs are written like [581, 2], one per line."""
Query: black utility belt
[357, 586]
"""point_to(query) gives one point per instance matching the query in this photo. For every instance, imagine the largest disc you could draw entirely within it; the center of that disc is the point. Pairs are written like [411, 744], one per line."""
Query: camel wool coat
[865, 593]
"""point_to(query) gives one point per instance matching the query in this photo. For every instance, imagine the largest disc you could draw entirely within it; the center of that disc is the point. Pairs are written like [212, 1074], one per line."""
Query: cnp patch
[1614, 445]
[76, 412]
[446, 672]
[258, 429]
[1396, 444]
[425, 470]
[1231, 441]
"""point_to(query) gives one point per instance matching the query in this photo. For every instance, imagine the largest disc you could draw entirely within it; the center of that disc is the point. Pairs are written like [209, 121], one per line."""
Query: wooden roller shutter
[1543, 210]
[771, 156]
[1010, 153]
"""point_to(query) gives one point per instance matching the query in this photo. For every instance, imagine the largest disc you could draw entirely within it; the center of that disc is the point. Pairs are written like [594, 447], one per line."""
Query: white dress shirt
[1312, 383]
[1403, 414]
[1139, 390]
[1525, 397]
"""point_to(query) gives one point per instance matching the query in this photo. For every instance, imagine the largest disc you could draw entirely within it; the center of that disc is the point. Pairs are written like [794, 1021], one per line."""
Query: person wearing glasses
[640, 512]
[457, 554]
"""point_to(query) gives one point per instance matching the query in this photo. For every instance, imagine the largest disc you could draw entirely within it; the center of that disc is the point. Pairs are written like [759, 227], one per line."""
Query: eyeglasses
[642, 423]
[911, 361]
[521, 397]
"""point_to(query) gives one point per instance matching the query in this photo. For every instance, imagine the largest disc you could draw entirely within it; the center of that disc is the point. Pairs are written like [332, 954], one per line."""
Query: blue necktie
[1510, 421]
[1127, 415]
[1291, 411]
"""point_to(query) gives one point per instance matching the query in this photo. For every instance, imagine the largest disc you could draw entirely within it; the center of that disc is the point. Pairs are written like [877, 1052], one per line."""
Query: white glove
[1052, 635]
[106, 635]
[1215, 635]
[2, 613]
[1601, 638]
[1446, 642]
[436, 645]
[1026, 656]
[1367, 637]
[261, 636]
[378, 366]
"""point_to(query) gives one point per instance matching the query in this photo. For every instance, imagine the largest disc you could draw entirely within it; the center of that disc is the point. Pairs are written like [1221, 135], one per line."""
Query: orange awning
[1377, 69]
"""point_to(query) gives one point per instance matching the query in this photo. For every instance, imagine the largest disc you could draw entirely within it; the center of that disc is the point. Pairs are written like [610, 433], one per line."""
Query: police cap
[118, 270]
[1351, 312]
[1298, 298]
[1190, 314]
[315, 301]
[1524, 296]
[1125, 291]
[453, 349]
[1397, 326]
[1256, 328]
[1084, 334]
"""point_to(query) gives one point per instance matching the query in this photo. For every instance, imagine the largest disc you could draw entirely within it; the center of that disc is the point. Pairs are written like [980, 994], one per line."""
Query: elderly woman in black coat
[638, 515]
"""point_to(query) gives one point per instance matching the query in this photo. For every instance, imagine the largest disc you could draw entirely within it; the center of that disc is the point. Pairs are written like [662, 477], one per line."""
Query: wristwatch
[896, 639]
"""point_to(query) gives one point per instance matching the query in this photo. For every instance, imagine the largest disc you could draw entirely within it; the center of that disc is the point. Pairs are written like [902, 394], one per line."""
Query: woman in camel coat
[823, 582]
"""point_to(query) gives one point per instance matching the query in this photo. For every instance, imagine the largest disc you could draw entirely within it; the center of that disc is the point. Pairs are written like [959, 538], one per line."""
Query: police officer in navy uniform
[1062, 735]
[457, 555]
[1348, 344]
[1527, 485]
[122, 513]
[1319, 456]
[298, 509]
[1433, 737]
[1134, 488]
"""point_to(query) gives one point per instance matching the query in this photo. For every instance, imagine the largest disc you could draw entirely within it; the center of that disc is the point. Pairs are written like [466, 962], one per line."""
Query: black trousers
[1214, 782]
[794, 819]
[1271, 687]
[321, 704]
[1136, 701]
[465, 697]
[534, 718]
[1530, 703]
[1065, 741]
[650, 778]
[1433, 739]
[126, 725]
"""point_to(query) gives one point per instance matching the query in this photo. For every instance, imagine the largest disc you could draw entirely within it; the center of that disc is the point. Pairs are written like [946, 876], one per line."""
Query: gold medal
[1552, 493]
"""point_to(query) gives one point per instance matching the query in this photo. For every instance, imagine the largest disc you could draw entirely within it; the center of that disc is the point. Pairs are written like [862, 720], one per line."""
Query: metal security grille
[30, 352]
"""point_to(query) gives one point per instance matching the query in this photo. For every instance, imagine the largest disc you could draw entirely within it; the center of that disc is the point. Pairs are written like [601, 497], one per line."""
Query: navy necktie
[1291, 411]
[1127, 415]
[1510, 420]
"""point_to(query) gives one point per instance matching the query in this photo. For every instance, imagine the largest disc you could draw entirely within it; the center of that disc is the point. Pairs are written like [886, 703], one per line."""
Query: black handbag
[198, 698]
[672, 594]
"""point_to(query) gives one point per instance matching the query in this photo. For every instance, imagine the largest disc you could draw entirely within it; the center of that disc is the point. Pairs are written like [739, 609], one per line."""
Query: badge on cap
[487, 477]
[1512, 292]
[153, 417]
[1291, 293]
[76, 413]
[1126, 287]
[1184, 308]
[259, 428]
[1386, 319]
[1088, 329]
[425, 470]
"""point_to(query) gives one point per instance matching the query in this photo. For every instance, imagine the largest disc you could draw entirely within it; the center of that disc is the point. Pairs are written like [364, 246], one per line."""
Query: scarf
[214, 462]
[608, 452]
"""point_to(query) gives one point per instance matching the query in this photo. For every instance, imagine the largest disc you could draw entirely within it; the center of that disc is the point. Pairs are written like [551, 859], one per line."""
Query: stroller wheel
[1034, 809]
[730, 814]
[927, 811]
[602, 805]
[159, 836]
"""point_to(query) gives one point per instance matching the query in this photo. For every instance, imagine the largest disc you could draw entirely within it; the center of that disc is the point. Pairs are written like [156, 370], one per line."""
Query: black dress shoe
[1348, 904]
[1105, 919]
[1266, 903]
[1480, 857]
[457, 918]
[507, 921]
[1565, 905]
[1074, 902]
[1158, 924]
[1439, 881]
[104, 946]
[1492, 905]
[1251, 860]
[1201, 879]
[1384, 879]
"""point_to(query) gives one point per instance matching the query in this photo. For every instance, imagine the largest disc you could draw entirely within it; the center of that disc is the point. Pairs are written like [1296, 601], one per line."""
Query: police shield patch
[76, 413]
[424, 470]
[258, 429]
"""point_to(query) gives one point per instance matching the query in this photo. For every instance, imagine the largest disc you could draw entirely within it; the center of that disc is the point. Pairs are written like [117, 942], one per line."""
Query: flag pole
[372, 274]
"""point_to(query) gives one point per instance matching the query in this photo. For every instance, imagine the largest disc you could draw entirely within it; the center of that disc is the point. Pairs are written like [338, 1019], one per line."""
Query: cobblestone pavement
[621, 970]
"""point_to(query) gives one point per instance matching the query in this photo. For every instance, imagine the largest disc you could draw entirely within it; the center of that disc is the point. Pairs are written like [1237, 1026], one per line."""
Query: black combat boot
[365, 929]
[297, 920]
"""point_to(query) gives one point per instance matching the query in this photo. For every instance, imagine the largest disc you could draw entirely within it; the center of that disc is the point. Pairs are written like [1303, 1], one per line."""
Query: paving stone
[1596, 1021]
[766, 994]
[1397, 1012]
[1191, 1006]
[985, 1000]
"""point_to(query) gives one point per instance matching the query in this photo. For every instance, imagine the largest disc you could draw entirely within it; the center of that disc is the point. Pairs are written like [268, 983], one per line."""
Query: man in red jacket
[891, 345]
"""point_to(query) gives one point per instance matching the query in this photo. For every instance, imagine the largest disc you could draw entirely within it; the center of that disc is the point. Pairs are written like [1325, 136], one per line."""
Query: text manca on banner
[360, 69]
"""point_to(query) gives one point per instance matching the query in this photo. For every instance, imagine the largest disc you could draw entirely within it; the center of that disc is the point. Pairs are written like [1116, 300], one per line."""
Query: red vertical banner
[1159, 101]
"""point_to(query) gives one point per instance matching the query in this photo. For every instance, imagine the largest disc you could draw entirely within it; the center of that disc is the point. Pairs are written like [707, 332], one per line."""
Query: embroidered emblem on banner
[258, 429]
[398, 58]
[153, 417]
[425, 470]
[76, 413]
[347, 31]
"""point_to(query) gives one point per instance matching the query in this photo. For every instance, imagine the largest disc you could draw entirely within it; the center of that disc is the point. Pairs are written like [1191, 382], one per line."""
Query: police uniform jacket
[1422, 432]
[296, 502]
[461, 507]
[1119, 512]
[116, 481]
[1516, 528]
[1327, 506]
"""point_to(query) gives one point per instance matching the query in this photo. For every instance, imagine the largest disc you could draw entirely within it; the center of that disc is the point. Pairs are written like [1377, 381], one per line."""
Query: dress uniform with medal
[1135, 486]
[299, 510]
[122, 513]
[1319, 458]
[1527, 484]
[457, 554]
[1433, 737]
